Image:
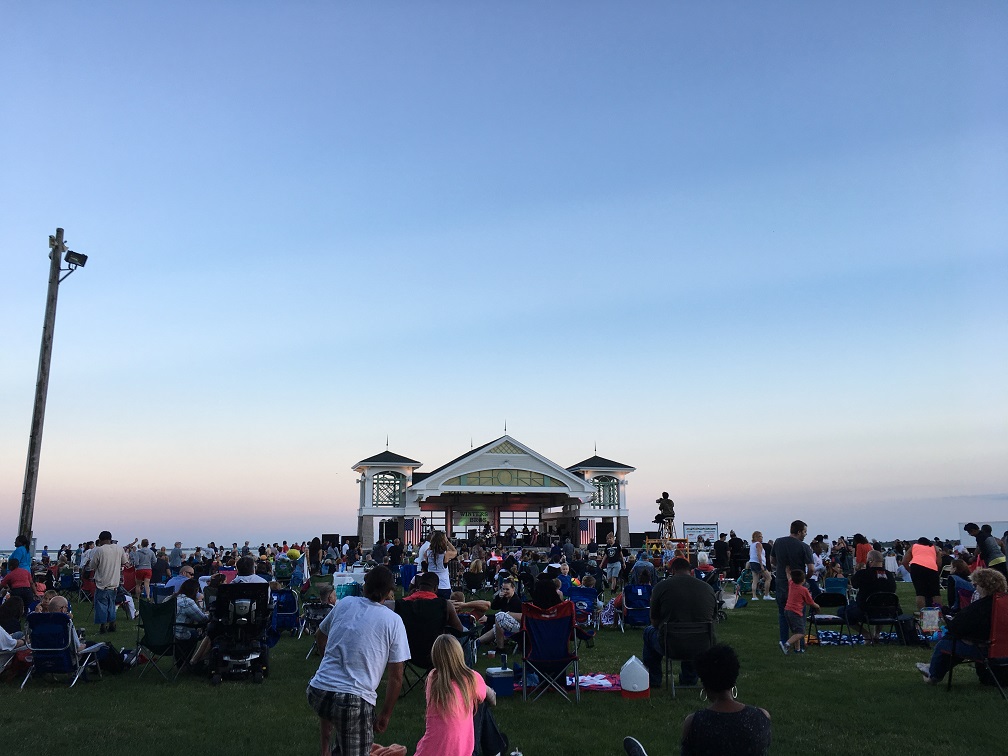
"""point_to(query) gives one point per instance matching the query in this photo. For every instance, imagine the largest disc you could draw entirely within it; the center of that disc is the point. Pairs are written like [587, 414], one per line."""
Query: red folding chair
[549, 648]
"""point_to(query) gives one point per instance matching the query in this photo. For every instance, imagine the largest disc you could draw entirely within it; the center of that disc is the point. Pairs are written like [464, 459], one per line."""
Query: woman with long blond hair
[453, 693]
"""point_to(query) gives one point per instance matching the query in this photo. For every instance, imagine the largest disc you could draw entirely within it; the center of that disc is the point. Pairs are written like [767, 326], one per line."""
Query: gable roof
[388, 458]
[599, 463]
[506, 447]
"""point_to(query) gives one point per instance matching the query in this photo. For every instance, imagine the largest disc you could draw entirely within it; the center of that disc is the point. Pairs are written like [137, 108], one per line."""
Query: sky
[759, 253]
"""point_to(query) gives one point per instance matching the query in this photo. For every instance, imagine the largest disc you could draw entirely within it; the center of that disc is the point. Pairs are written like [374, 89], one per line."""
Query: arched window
[389, 489]
[606, 491]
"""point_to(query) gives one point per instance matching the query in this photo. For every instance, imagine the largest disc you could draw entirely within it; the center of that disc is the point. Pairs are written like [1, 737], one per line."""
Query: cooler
[501, 680]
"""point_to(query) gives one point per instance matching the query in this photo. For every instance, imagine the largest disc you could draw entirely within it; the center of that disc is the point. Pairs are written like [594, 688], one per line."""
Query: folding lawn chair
[586, 613]
[53, 646]
[636, 611]
[156, 636]
[286, 615]
[87, 591]
[994, 647]
[312, 616]
[424, 620]
[548, 636]
[838, 585]
[161, 593]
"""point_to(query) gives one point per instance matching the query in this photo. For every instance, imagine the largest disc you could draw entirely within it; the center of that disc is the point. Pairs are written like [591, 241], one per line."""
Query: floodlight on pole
[58, 252]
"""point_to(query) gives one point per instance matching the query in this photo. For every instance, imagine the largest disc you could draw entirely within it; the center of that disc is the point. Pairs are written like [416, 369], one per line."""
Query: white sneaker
[769, 598]
[923, 668]
[785, 648]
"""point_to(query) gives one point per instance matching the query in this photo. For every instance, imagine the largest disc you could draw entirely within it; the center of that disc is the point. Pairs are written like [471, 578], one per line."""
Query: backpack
[110, 660]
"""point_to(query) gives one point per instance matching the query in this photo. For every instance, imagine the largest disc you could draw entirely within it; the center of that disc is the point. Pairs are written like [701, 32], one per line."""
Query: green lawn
[828, 698]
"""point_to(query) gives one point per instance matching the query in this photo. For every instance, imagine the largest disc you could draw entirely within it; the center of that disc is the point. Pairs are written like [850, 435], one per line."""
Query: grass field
[827, 699]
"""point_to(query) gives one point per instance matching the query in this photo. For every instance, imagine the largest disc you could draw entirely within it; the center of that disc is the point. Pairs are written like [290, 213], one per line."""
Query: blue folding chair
[636, 611]
[286, 613]
[586, 613]
[549, 649]
[53, 646]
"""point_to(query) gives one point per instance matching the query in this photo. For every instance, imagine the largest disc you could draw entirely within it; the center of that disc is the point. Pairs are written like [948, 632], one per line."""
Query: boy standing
[794, 610]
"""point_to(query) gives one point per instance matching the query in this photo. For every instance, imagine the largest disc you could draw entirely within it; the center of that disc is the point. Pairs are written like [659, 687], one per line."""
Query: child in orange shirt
[794, 610]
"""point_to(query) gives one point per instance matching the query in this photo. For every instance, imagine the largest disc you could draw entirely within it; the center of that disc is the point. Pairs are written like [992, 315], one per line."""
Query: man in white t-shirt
[107, 560]
[246, 573]
[362, 638]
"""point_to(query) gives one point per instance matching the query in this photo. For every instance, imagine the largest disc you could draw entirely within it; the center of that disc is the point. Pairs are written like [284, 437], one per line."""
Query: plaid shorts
[352, 718]
[507, 623]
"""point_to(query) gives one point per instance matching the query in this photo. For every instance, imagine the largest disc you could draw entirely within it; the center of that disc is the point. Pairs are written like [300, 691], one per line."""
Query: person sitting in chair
[874, 578]
[679, 598]
[247, 573]
[427, 588]
[59, 605]
[508, 617]
[972, 623]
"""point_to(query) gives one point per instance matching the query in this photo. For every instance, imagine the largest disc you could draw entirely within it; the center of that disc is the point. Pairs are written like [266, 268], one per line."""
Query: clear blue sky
[758, 252]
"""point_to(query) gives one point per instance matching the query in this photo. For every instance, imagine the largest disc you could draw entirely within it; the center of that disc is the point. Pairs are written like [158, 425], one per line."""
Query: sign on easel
[709, 531]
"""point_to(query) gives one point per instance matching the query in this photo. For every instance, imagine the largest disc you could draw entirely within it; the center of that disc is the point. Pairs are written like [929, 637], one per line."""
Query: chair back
[53, 647]
[998, 648]
[161, 593]
[686, 640]
[158, 622]
[549, 632]
[314, 583]
[831, 601]
[243, 604]
[229, 575]
[584, 600]
[424, 620]
[637, 604]
[881, 607]
[282, 570]
[129, 578]
[835, 585]
[965, 597]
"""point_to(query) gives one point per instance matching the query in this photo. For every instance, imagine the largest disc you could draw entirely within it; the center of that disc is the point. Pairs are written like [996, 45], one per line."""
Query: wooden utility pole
[56, 251]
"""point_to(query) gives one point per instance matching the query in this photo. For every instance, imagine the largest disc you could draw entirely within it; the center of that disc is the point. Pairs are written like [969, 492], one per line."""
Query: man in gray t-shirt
[789, 553]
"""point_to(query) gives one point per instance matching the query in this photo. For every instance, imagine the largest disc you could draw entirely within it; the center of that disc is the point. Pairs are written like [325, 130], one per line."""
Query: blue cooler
[501, 680]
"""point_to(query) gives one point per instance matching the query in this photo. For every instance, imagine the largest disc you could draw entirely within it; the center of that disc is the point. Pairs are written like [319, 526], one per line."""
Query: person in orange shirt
[798, 597]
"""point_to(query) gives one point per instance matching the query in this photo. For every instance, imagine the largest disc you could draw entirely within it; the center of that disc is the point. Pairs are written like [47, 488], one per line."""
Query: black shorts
[925, 581]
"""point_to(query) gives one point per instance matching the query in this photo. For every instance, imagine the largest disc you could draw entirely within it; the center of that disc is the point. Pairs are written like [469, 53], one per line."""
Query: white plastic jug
[634, 679]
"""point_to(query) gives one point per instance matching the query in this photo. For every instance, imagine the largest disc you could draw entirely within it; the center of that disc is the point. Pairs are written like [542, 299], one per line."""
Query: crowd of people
[361, 641]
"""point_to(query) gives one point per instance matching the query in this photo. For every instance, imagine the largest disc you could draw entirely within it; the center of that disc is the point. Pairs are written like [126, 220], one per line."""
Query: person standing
[987, 547]
[758, 567]
[107, 560]
[790, 552]
[722, 553]
[175, 558]
[923, 560]
[143, 561]
[613, 560]
[362, 639]
[736, 546]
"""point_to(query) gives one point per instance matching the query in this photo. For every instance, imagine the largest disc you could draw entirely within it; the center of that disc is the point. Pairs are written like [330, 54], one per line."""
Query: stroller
[242, 614]
[714, 581]
[743, 586]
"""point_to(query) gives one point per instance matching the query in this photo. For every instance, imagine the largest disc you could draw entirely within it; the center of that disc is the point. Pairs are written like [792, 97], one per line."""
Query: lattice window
[606, 492]
[389, 489]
